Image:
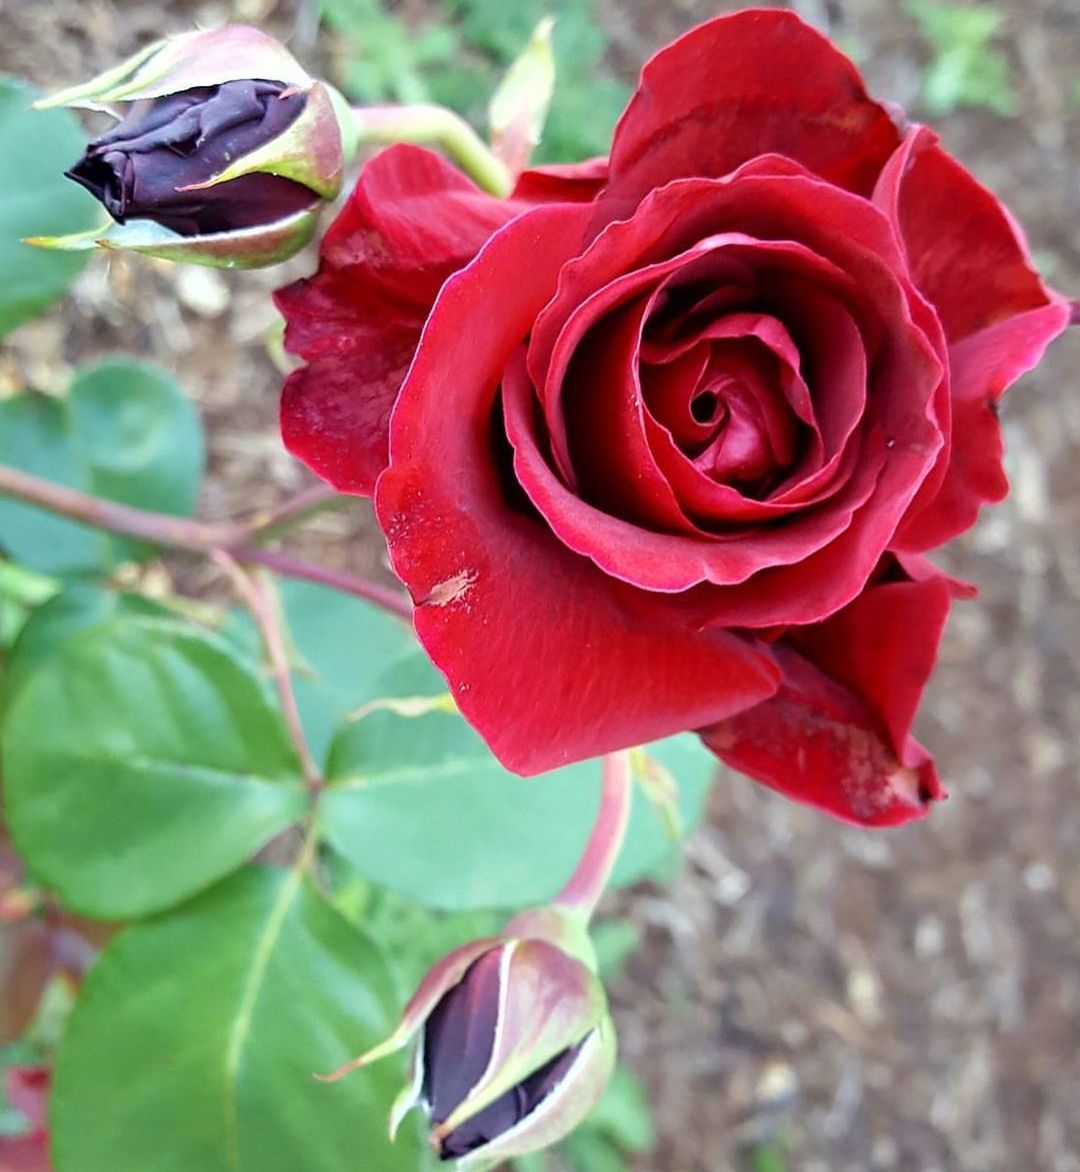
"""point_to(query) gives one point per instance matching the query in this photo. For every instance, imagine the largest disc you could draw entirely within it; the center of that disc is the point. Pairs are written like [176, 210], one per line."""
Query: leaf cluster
[966, 69]
[257, 928]
[457, 61]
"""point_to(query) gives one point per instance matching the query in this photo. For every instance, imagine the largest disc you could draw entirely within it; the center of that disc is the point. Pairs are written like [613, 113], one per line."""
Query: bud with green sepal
[514, 1043]
[224, 152]
[519, 107]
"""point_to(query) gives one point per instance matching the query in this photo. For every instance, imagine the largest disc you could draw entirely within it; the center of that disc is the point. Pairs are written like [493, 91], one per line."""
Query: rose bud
[515, 1046]
[224, 152]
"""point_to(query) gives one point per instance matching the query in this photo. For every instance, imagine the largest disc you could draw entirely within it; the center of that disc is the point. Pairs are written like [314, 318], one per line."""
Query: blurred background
[803, 996]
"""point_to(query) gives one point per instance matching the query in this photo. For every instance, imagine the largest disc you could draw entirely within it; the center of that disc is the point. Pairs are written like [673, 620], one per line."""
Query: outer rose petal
[744, 85]
[969, 258]
[562, 182]
[547, 657]
[984, 365]
[836, 733]
[411, 221]
[967, 255]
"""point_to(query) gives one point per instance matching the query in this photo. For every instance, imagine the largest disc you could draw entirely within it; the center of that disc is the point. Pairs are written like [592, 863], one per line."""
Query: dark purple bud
[150, 165]
[515, 1046]
[508, 1111]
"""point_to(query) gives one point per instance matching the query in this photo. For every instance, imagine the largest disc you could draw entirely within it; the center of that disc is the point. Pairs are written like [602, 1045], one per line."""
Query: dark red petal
[335, 411]
[984, 365]
[540, 649]
[411, 221]
[967, 255]
[562, 182]
[674, 562]
[786, 574]
[743, 85]
[836, 735]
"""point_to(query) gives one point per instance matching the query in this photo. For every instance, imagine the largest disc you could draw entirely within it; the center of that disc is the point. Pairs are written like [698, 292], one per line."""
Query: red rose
[677, 431]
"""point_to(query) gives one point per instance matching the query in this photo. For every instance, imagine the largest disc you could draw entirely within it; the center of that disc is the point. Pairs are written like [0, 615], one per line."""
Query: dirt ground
[895, 1000]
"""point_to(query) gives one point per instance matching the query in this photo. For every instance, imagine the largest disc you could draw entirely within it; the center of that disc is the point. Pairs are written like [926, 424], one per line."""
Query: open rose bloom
[659, 442]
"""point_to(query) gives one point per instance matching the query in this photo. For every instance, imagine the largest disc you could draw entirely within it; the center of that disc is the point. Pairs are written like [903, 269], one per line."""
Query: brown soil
[906, 1000]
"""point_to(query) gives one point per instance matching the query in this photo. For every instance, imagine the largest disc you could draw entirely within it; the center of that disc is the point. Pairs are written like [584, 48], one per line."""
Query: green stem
[439, 127]
[584, 888]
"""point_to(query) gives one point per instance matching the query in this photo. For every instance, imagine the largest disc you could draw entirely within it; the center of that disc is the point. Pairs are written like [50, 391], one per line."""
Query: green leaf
[20, 591]
[342, 647]
[125, 431]
[966, 70]
[420, 805]
[195, 1037]
[35, 200]
[79, 608]
[141, 764]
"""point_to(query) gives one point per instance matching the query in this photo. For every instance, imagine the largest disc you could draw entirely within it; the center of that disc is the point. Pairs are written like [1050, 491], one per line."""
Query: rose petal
[744, 85]
[503, 608]
[672, 562]
[830, 352]
[621, 263]
[836, 735]
[562, 182]
[411, 221]
[967, 255]
[984, 365]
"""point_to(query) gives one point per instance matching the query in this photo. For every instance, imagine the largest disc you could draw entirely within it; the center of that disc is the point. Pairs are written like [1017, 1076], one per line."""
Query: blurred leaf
[387, 55]
[615, 941]
[20, 591]
[141, 763]
[967, 70]
[769, 1157]
[78, 608]
[411, 936]
[623, 1114]
[342, 646]
[125, 431]
[195, 1037]
[420, 805]
[458, 63]
[35, 200]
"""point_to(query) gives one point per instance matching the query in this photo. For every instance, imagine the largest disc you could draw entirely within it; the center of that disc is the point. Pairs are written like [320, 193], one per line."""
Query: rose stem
[383, 125]
[234, 538]
[256, 592]
[584, 888]
[288, 566]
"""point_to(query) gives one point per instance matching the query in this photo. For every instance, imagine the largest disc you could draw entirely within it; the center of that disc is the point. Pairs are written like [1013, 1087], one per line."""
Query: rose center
[703, 406]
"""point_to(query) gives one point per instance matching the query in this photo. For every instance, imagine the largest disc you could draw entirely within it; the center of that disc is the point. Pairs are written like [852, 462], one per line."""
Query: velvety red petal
[411, 221]
[984, 365]
[967, 255]
[829, 356]
[562, 182]
[743, 85]
[789, 573]
[537, 645]
[836, 735]
[674, 562]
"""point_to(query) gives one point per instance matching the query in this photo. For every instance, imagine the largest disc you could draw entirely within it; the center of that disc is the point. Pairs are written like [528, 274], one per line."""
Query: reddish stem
[584, 888]
[257, 597]
[237, 539]
[291, 567]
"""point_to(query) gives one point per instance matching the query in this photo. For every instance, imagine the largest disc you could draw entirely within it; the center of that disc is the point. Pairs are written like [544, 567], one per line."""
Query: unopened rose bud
[223, 154]
[514, 1046]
